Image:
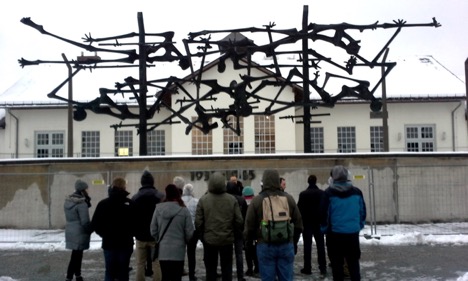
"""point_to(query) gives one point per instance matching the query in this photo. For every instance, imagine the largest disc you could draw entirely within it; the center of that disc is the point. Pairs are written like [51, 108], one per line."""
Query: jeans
[191, 254]
[117, 263]
[210, 257]
[141, 257]
[276, 260]
[343, 247]
[74, 266]
[307, 234]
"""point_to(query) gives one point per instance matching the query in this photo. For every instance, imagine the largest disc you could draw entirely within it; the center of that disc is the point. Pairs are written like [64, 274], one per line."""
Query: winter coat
[78, 225]
[343, 209]
[233, 189]
[145, 201]
[271, 187]
[114, 219]
[218, 214]
[191, 202]
[309, 206]
[173, 243]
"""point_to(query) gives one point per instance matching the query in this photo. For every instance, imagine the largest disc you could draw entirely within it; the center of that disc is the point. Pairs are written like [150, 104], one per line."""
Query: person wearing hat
[145, 201]
[114, 222]
[191, 202]
[250, 246]
[343, 216]
[77, 228]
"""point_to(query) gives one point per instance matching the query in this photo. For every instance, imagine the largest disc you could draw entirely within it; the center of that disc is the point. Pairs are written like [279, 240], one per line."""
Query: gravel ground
[392, 263]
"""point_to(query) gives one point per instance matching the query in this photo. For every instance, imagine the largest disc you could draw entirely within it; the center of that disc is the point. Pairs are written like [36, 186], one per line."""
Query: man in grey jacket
[218, 216]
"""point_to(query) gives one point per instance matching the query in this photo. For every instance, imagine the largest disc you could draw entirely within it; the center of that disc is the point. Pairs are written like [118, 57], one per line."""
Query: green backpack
[276, 225]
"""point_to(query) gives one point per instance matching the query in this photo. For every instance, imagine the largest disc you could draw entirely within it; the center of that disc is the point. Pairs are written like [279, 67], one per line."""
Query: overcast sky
[448, 43]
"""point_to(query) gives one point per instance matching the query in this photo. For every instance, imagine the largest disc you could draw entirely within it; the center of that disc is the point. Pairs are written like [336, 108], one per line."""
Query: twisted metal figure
[243, 93]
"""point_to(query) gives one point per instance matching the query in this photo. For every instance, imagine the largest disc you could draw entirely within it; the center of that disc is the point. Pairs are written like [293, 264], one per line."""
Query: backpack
[276, 225]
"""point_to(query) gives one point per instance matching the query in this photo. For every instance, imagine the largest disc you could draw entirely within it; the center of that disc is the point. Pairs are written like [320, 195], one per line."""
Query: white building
[426, 104]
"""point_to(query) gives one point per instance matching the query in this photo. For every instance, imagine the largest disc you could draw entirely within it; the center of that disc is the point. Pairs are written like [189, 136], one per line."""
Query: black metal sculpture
[243, 93]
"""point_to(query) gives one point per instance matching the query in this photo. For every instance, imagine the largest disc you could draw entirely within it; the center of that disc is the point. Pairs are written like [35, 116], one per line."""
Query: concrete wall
[397, 188]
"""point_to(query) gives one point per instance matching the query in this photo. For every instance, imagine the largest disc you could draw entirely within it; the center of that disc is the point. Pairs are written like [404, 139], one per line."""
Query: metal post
[142, 67]
[384, 106]
[305, 83]
[70, 109]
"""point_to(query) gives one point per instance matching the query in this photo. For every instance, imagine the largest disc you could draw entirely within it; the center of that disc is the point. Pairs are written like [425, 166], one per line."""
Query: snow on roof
[422, 77]
[413, 77]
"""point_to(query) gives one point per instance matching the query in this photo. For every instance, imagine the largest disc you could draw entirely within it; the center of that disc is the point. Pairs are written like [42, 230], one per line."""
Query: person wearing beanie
[276, 260]
[191, 202]
[114, 222]
[217, 217]
[77, 228]
[250, 248]
[343, 216]
[179, 182]
[145, 201]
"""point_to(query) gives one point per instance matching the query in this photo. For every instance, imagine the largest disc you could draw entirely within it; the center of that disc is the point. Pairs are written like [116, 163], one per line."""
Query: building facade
[423, 116]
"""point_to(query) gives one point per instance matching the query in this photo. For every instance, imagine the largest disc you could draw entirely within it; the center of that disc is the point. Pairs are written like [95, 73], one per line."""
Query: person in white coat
[191, 202]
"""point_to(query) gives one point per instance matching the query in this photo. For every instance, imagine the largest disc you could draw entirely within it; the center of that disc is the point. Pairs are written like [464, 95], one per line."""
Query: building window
[123, 143]
[49, 144]
[316, 140]
[232, 143]
[420, 138]
[90, 144]
[376, 139]
[346, 139]
[264, 134]
[201, 144]
[156, 141]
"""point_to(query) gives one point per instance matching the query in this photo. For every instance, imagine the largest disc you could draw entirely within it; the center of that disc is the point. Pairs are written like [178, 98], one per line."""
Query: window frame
[346, 139]
[52, 148]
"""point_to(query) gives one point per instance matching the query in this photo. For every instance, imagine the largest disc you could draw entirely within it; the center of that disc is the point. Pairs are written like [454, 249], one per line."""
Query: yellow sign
[98, 182]
[359, 177]
[123, 151]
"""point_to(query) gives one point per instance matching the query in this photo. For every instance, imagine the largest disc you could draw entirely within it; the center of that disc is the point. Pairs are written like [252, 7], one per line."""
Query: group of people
[227, 219]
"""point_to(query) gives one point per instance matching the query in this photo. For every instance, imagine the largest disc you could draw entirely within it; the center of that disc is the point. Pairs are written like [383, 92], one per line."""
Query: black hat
[147, 179]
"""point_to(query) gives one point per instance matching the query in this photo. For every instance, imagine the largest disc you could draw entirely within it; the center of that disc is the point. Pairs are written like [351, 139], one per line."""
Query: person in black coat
[113, 220]
[309, 206]
[233, 189]
[145, 201]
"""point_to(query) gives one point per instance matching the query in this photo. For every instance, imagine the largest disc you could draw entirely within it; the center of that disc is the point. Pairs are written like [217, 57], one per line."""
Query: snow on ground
[54, 240]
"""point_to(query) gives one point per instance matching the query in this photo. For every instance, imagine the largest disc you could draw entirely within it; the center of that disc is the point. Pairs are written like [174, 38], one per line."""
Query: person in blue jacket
[343, 215]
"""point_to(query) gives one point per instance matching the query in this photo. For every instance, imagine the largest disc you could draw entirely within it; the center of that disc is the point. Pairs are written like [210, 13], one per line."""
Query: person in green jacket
[217, 218]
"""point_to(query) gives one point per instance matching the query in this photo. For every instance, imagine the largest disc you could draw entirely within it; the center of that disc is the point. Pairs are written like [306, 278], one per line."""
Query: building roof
[416, 77]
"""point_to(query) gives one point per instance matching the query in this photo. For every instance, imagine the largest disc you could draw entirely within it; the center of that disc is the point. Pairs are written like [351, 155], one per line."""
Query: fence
[400, 190]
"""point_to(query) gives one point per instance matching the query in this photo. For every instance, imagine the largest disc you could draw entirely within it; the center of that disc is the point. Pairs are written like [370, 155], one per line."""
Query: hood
[341, 188]
[217, 183]
[168, 209]
[271, 180]
[72, 200]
